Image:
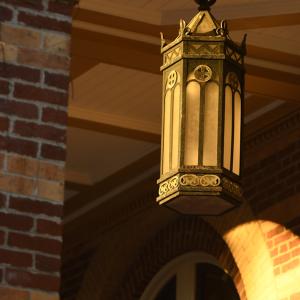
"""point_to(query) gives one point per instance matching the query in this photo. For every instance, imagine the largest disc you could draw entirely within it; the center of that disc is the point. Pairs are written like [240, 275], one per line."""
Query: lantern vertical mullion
[232, 128]
[221, 109]
[176, 126]
[201, 124]
[184, 85]
[171, 129]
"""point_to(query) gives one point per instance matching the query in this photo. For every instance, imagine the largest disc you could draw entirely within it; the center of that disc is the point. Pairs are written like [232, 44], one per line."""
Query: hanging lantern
[203, 93]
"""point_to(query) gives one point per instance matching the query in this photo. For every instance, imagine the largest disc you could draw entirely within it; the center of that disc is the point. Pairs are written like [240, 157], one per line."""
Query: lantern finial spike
[205, 4]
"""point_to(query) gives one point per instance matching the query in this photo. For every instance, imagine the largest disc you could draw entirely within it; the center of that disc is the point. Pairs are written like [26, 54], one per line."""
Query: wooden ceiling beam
[240, 23]
[146, 57]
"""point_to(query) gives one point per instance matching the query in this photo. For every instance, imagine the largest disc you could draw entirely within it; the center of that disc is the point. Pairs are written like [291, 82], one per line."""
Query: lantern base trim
[209, 194]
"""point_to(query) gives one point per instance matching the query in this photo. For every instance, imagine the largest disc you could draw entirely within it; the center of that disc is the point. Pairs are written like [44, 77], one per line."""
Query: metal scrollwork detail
[232, 187]
[203, 73]
[172, 79]
[223, 29]
[168, 185]
[204, 180]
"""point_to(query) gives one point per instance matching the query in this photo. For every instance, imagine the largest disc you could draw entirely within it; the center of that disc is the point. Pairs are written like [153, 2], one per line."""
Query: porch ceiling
[115, 93]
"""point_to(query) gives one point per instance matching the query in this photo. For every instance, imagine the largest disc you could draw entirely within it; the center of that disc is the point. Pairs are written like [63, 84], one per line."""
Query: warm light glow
[175, 128]
[167, 132]
[227, 128]
[237, 134]
[191, 154]
[211, 115]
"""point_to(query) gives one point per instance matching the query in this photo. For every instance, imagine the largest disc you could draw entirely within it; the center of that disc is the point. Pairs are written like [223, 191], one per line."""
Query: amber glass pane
[237, 134]
[175, 128]
[211, 117]
[227, 128]
[167, 132]
[192, 123]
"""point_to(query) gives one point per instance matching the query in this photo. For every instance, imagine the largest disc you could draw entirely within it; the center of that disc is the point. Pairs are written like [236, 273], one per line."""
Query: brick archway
[184, 235]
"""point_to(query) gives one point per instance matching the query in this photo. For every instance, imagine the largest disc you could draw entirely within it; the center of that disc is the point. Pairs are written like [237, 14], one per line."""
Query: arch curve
[185, 234]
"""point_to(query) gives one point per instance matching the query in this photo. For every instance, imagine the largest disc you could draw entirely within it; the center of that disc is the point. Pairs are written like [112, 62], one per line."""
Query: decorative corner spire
[205, 4]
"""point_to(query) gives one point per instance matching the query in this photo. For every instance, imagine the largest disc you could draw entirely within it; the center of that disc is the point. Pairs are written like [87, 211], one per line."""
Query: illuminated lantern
[203, 93]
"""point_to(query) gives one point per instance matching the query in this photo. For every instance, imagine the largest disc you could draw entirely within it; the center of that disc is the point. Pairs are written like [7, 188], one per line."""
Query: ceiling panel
[121, 91]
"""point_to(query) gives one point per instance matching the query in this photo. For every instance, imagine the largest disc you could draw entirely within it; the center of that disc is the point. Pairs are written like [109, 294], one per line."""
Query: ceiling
[115, 92]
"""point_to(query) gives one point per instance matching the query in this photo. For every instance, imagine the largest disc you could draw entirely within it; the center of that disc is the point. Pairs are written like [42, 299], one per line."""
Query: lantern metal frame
[204, 53]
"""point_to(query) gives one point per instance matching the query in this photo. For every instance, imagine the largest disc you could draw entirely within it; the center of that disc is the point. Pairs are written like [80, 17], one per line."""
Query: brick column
[34, 74]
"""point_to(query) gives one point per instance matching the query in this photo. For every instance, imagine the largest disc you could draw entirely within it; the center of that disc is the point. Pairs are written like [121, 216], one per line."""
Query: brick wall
[274, 178]
[34, 72]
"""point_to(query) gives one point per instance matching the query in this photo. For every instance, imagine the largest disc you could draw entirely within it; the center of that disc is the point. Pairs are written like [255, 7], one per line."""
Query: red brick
[34, 243]
[2, 200]
[5, 14]
[274, 252]
[38, 94]
[2, 237]
[4, 123]
[17, 222]
[28, 129]
[283, 237]
[21, 146]
[53, 152]
[44, 22]
[3, 142]
[47, 264]
[19, 72]
[36, 4]
[20, 109]
[35, 207]
[30, 280]
[2, 158]
[42, 59]
[296, 252]
[60, 8]
[4, 86]
[49, 227]
[277, 230]
[270, 244]
[57, 80]
[13, 294]
[54, 116]
[295, 296]
[283, 248]
[290, 265]
[14, 258]
[282, 259]
[295, 243]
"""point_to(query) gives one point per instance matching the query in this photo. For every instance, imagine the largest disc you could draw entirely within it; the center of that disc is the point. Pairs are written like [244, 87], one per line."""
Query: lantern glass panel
[175, 127]
[167, 132]
[211, 114]
[237, 133]
[192, 124]
[227, 128]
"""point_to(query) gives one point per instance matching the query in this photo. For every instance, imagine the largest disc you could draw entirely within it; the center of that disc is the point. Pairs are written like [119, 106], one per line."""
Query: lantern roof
[203, 26]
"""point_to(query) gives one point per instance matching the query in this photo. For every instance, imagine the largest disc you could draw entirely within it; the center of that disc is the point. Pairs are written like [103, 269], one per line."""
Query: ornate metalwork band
[231, 187]
[188, 180]
[203, 180]
[169, 185]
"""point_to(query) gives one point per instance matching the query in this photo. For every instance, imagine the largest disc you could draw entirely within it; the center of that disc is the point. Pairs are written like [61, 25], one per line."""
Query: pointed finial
[205, 4]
